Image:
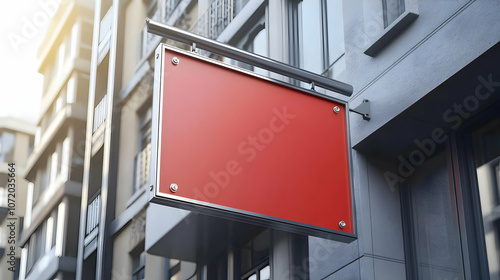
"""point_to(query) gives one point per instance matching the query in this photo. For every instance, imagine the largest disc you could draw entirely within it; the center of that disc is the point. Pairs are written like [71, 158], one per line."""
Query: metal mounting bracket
[363, 109]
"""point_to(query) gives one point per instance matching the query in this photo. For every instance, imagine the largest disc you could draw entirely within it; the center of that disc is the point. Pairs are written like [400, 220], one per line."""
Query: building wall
[408, 81]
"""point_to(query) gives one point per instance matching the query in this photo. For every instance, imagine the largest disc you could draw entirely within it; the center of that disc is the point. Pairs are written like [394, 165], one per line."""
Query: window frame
[296, 37]
[464, 191]
[402, 8]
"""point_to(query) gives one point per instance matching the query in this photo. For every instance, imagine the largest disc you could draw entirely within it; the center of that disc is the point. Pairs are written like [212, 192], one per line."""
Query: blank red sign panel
[232, 140]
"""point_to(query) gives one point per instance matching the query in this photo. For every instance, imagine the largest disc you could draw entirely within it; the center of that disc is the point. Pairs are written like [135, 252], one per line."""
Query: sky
[22, 27]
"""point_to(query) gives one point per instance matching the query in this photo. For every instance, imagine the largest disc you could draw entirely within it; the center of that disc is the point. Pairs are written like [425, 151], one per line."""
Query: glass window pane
[265, 273]
[60, 57]
[7, 140]
[260, 43]
[335, 30]
[392, 10]
[487, 154]
[65, 158]
[253, 277]
[74, 40]
[434, 221]
[311, 36]
[70, 92]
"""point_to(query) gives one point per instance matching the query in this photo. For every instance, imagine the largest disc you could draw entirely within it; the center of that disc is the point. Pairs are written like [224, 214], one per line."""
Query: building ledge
[143, 69]
[128, 214]
[48, 200]
[70, 111]
[58, 81]
[8, 123]
[393, 30]
[48, 266]
[91, 246]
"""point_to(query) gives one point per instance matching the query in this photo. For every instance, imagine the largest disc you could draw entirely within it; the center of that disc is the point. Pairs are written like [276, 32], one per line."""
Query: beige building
[16, 142]
[55, 167]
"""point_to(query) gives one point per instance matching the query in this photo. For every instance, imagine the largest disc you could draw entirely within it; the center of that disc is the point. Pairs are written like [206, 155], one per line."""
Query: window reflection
[487, 156]
[321, 33]
[434, 222]
[392, 10]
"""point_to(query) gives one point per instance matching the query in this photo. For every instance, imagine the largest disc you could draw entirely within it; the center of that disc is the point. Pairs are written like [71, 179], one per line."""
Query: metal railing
[93, 214]
[100, 113]
[215, 19]
[247, 57]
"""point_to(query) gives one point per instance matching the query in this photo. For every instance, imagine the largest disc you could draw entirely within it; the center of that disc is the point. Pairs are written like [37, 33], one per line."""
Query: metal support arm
[363, 109]
[189, 38]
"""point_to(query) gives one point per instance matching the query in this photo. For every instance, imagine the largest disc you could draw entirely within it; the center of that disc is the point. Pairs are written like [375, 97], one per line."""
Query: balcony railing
[100, 113]
[141, 168]
[93, 214]
[162, 14]
[105, 27]
[215, 19]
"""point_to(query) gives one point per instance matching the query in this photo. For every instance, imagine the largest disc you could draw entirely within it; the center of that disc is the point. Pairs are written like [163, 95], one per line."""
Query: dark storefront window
[433, 236]
[451, 205]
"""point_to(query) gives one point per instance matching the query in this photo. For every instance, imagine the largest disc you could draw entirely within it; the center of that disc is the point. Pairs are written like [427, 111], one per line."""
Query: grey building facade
[425, 166]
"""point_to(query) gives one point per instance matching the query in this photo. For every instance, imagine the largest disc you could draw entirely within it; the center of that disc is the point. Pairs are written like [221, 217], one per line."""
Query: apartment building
[425, 161]
[16, 142]
[55, 167]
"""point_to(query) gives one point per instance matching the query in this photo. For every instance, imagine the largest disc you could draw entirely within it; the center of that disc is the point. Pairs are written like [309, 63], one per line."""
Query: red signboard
[231, 143]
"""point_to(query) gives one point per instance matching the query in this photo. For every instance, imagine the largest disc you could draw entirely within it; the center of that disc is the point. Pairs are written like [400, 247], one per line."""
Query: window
[7, 141]
[262, 272]
[37, 245]
[53, 168]
[319, 26]
[487, 161]
[143, 158]
[3, 199]
[44, 181]
[74, 40]
[433, 244]
[70, 90]
[392, 10]
[139, 266]
[253, 38]
[60, 57]
[254, 257]
[65, 158]
[238, 5]
[42, 241]
[257, 43]
[59, 101]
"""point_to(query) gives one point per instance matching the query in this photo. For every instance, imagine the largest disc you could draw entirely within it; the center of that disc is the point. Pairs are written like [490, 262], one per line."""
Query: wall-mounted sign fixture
[230, 143]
